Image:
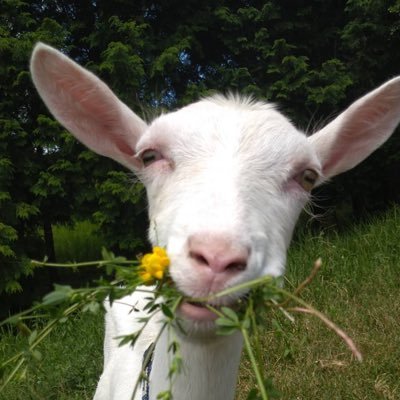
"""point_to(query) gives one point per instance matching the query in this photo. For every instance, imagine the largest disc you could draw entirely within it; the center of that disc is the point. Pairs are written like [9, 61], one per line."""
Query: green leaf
[6, 251]
[4, 196]
[22, 327]
[128, 339]
[107, 255]
[226, 330]
[166, 395]
[32, 337]
[92, 307]
[173, 347]
[37, 355]
[175, 366]
[230, 314]
[223, 321]
[60, 295]
[24, 211]
[13, 286]
[167, 311]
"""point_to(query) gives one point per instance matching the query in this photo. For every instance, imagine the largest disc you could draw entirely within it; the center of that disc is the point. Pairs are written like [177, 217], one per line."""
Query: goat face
[226, 178]
[225, 184]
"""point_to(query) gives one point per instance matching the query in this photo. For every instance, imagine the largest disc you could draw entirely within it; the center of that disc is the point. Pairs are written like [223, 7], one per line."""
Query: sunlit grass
[358, 287]
[80, 242]
[71, 364]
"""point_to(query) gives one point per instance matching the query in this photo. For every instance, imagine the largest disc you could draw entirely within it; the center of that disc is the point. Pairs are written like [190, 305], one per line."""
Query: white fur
[227, 183]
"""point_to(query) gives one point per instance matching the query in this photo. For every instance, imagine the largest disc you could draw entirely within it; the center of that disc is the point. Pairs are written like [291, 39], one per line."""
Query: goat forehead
[224, 126]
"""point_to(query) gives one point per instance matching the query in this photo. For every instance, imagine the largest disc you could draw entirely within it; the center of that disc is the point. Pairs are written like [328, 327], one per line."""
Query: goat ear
[359, 130]
[86, 106]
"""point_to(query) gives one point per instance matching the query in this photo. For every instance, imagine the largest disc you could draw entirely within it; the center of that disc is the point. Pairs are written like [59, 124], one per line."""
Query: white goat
[226, 179]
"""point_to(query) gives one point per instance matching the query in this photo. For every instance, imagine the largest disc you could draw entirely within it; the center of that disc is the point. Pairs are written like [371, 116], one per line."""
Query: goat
[226, 179]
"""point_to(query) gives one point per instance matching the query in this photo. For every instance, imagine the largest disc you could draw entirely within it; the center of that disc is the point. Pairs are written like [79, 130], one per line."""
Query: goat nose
[218, 253]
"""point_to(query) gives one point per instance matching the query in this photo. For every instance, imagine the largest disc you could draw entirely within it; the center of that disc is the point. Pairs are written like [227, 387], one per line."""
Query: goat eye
[307, 179]
[150, 156]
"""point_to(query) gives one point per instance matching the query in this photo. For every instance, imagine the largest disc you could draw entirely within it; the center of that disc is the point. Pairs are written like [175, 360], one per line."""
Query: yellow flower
[153, 265]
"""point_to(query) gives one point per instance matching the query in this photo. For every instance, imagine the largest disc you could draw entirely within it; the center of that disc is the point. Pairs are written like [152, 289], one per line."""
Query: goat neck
[210, 367]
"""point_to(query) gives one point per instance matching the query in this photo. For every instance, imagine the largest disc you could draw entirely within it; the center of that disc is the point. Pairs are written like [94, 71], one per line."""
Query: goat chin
[196, 330]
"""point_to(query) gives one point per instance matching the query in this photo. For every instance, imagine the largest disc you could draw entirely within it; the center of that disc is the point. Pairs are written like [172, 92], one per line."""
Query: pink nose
[218, 253]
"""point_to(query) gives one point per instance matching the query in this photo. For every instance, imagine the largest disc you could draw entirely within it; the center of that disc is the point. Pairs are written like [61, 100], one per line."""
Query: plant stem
[256, 369]
[256, 334]
[311, 310]
[234, 289]
[11, 376]
[18, 317]
[99, 263]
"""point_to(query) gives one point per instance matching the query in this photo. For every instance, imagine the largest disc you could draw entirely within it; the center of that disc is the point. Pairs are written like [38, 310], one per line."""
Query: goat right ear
[86, 106]
[359, 130]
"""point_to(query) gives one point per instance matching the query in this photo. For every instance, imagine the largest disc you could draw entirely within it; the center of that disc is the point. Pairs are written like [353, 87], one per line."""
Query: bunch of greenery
[150, 275]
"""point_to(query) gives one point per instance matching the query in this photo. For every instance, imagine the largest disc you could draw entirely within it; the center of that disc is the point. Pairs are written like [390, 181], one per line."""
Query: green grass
[80, 242]
[358, 288]
[70, 366]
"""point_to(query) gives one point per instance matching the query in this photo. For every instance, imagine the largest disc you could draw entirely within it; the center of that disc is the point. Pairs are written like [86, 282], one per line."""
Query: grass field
[358, 288]
[79, 242]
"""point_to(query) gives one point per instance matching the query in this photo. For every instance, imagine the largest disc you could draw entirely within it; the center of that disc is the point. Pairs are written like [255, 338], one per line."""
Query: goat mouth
[197, 311]
[202, 311]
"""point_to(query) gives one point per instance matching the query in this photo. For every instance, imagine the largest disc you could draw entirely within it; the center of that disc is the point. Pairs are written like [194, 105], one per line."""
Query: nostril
[236, 266]
[199, 258]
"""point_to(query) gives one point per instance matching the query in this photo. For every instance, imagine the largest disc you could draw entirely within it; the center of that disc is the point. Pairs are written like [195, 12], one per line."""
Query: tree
[46, 176]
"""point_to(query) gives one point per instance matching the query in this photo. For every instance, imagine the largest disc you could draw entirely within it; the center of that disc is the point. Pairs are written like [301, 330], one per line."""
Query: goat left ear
[86, 106]
[359, 130]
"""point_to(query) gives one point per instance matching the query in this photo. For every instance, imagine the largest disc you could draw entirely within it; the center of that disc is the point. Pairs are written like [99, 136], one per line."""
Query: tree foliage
[312, 58]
